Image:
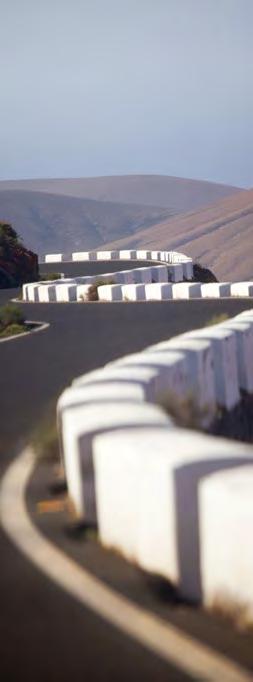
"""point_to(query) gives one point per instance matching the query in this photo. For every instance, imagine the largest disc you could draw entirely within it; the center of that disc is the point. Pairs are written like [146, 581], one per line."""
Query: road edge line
[162, 639]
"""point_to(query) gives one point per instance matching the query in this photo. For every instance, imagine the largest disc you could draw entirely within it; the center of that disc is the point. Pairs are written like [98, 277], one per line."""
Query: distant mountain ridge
[49, 222]
[177, 194]
[212, 223]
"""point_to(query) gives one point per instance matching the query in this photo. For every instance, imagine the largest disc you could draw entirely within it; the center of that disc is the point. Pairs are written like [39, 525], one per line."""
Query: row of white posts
[78, 256]
[139, 284]
[176, 502]
[146, 289]
[77, 288]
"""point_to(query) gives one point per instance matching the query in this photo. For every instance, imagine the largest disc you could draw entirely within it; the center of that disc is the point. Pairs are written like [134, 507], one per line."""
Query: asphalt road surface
[44, 634]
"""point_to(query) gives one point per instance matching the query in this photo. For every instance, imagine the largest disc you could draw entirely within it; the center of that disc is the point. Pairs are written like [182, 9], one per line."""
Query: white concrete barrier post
[186, 290]
[175, 272]
[225, 363]
[142, 275]
[200, 371]
[188, 268]
[110, 292]
[127, 255]
[158, 292]
[148, 379]
[170, 366]
[133, 292]
[242, 289]
[66, 292]
[215, 290]
[79, 428]
[226, 549]
[159, 273]
[80, 256]
[33, 292]
[82, 292]
[54, 258]
[47, 293]
[143, 255]
[244, 350]
[145, 481]
[156, 255]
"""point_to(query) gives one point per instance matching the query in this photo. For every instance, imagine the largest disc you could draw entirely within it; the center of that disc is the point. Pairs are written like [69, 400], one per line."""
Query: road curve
[45, 633]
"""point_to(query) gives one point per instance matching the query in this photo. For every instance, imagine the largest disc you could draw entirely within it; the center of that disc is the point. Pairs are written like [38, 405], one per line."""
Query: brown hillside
[220, 236]
[177, 194]
[49, 222]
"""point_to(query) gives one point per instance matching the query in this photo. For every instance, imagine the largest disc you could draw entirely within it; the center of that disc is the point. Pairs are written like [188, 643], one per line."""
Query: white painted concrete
[246, 313]
[66, 292]
[127, 277]
[156, 255]
[170, 366]
[147, 485]
[244, 350]
[82, 292]
[175, 272]
[79, 428]
[186, 290]
[122, 391]
[157, 636]
[107, 255]
[200, 371]
[242, 289]
[158, 292]
[215, 289]
[133, 292]
[226, 547]
[110, 292]
[148, 379]
[32, 292]
[225, 363]
[142, 275]
[78, 395]
[159, 273]
[126, 254]
[143, 255]
[81, 255]
[54, 258]
[25, 292]
[188, 268]
[47, 293]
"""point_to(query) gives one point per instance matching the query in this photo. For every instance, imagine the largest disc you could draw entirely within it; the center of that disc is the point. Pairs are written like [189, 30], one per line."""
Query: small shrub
[203, 274]
[229, 608]
[216, 319]
[185, 412]
[12, 330]
[44, 438]
[92, 294]
[48, 276]
[11, 314]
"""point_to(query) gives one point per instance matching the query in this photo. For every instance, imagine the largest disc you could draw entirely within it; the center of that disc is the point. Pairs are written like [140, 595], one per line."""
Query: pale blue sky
[99, 87]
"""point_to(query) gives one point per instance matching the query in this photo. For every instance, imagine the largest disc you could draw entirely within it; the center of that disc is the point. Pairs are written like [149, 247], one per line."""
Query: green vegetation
[17, 264]
[216, 319]
[12, 320]
[93, 289]
[185, 412]
[12, 330]
[48, 276]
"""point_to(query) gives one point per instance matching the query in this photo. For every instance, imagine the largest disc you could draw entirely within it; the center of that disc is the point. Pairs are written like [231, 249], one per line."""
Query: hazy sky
[98, 87]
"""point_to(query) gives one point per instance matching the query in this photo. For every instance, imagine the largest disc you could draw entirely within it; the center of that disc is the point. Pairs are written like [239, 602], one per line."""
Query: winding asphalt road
[44, 634]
